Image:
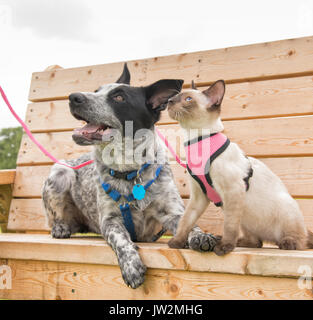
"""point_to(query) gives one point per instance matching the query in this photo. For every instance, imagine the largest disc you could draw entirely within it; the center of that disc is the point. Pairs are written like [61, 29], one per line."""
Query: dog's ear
[125, 76]
[158, 93]
[215, 94]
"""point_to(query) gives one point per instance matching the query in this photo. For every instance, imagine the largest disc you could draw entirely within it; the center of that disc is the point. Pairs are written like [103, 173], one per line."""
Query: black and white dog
[76, 200]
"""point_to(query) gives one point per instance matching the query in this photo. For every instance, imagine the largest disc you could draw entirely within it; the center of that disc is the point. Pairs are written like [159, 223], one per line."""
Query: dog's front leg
[132, 268]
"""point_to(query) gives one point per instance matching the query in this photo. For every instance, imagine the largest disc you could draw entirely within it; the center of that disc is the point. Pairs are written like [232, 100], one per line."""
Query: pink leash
[32, 138]
[178, 160]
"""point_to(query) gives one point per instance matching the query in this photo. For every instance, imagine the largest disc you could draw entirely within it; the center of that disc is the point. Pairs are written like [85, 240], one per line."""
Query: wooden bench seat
[267, 110]
[87, 268]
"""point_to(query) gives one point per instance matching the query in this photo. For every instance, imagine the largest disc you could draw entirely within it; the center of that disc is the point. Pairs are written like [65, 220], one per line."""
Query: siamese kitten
[254, 200]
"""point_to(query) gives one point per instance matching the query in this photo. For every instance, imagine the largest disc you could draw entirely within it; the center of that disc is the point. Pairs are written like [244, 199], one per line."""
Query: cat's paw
[176, 243]
[223, 248]
[288, 243]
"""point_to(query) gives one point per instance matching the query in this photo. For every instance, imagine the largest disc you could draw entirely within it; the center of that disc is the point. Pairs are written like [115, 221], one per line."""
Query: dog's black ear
[158, 93]
[215, 93]
[125, 76]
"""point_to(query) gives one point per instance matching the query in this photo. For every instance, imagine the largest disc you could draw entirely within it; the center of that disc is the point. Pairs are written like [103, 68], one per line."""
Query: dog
[77, 201]
[254, 200]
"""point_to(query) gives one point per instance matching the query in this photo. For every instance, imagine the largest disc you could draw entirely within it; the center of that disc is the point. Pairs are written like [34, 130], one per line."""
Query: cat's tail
[310, 240]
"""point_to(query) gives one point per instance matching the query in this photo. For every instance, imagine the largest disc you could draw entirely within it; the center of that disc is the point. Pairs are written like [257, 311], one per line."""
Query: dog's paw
[60, 231]
[200, 241]
[223, 248]
[133, 272]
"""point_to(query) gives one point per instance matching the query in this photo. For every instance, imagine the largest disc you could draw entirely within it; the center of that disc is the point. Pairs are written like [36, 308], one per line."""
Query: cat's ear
[125, 76]
[215, 94]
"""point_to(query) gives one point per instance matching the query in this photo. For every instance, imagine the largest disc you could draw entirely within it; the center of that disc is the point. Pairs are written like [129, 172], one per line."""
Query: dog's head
[112, 105]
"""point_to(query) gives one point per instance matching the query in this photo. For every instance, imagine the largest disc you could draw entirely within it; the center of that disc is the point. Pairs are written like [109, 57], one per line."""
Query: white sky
[71, 33]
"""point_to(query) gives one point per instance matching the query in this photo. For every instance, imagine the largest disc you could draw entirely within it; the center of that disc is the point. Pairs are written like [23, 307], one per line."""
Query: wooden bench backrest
[267, 110]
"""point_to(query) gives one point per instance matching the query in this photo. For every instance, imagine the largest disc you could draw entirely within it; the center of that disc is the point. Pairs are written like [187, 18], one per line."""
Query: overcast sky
[71, 33]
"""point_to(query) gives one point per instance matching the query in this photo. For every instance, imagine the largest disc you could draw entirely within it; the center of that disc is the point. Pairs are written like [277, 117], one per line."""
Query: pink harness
[200, 153]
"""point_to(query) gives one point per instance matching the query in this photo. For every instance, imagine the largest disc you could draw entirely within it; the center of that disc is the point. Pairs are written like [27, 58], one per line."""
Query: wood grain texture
[7, 177]
[91, 251]
[66, 281]
[272, 98]
[28, 215]
[266, 60]
[5, 201]
[296, 173]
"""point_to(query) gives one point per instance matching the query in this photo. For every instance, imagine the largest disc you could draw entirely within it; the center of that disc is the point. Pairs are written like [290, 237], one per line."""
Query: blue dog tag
[139, 191]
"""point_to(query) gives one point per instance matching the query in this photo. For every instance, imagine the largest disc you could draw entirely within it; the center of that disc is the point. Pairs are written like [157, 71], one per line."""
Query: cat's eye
[118, 98]
[188, 99]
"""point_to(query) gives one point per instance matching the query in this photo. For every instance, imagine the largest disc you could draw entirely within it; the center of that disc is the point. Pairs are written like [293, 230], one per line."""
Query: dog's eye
[188, 99]
[118, 98]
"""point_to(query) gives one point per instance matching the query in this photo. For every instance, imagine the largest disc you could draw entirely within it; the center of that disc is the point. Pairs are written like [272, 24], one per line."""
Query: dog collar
[125, 208]
[128, 175]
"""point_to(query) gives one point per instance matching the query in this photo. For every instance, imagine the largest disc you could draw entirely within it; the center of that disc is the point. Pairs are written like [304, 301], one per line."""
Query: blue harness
[138, 193]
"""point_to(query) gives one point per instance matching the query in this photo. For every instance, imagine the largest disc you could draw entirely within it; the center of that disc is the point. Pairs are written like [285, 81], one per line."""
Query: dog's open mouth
[93, 131]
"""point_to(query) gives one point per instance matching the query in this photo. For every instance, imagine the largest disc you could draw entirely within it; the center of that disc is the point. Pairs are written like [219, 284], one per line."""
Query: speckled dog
[75, 200]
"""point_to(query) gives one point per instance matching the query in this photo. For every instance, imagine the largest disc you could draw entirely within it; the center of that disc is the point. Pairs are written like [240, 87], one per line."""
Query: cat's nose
[170, 102]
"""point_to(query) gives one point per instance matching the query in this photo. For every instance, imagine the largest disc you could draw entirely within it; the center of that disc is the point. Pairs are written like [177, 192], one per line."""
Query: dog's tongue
[88, 128]
[92, 131]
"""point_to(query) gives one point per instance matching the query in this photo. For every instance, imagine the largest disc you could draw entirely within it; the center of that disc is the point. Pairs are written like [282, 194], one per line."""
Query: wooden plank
[296, 173]
[245, 261]
[5, 201]
[273, 137]
[51, 116]
[29, 181]
[266, 60]
[68, 281]
[260, 99]
[28, 215]
[7, 177]
[258, 137]
[59, 144]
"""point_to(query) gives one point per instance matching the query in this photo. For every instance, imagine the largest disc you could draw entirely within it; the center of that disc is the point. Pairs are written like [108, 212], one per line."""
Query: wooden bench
[267, 110]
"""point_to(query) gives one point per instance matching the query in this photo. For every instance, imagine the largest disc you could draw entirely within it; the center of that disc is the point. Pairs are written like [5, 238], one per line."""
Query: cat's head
[195, 109]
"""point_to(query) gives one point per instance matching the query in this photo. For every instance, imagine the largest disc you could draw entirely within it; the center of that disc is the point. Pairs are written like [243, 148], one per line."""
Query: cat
[255, 202]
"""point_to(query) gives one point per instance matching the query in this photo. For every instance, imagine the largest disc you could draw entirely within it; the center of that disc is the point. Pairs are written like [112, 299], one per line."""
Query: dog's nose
[77, 98]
